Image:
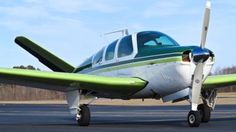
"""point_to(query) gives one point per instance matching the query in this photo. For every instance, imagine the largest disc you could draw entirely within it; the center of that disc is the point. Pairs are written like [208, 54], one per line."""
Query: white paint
[177, 95]
[208, 4]
[73, 98]
[194, 107]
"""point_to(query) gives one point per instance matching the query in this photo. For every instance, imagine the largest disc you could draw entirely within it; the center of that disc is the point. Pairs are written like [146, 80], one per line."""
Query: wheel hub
[192, 119]
[78, 116]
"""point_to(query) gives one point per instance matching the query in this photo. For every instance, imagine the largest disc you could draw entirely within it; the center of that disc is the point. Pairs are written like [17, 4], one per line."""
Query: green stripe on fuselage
[171, 59]
[161, 55]
[151, 60]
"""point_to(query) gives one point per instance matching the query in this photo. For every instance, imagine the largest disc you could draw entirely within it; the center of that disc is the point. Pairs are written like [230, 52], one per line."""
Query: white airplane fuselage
[168, 78]
[163, 79]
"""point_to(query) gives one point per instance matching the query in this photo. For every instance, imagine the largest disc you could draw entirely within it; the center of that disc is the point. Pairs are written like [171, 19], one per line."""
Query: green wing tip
[18, 39]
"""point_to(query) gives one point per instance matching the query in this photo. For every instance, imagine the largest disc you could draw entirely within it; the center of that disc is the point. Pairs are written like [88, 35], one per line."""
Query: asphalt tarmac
[56, 118]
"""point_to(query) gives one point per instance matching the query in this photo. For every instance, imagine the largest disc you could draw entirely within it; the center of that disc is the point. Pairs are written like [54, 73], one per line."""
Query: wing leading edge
[71, 81]
[219, 81]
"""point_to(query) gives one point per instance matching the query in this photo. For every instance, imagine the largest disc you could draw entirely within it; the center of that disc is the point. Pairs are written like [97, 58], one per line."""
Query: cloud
[71, 28]
[75, 6]
[166, 8]
[36, 13]
[45, 22]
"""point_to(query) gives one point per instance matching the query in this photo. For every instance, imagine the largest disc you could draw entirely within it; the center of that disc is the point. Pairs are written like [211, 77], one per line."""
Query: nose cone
[200, 55]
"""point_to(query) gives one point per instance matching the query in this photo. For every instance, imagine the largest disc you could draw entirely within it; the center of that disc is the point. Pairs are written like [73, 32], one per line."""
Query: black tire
[194, 118]
[205, 112]
[84, 116]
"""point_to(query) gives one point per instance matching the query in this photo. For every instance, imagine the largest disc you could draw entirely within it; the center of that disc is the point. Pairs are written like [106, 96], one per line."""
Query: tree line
[21, 93]
[222, 71]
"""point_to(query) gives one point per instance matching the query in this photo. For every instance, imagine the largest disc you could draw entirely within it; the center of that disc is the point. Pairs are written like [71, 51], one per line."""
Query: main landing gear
[80, 111]
[83, 115]
[201, 115]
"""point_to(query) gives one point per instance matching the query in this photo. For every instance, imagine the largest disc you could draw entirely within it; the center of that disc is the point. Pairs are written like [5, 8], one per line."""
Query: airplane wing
[47, 58]
[219, 81]
[71, 81]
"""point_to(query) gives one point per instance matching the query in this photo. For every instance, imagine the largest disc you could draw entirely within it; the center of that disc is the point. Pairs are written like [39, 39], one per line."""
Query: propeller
[200, 55]
[205, 23]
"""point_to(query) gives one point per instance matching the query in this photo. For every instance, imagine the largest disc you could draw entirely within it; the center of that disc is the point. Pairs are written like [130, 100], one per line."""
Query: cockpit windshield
[152, 39]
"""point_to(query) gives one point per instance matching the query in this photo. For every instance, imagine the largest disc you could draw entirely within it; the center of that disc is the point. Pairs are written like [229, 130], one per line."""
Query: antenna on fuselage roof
[124, 32]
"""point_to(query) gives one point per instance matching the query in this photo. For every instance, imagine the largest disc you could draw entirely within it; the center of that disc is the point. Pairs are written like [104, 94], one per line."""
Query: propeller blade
[197, 85]
[205, 23]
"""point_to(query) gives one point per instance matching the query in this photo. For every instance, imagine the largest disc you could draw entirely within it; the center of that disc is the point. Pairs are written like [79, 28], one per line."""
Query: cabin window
[86, 64]
[151, 39]
[125, 47]
[165, 40]
[98, 57]
[110, 51]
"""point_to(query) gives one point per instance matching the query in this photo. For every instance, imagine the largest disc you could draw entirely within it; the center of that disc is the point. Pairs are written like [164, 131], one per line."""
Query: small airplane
[146, 64]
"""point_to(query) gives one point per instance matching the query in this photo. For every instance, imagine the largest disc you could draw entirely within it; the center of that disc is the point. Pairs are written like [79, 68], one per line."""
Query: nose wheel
[203, 114]
[194, 118]
[83, 116]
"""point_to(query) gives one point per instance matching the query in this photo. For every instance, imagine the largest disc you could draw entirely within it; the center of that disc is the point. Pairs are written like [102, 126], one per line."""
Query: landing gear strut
[80, 112]
[83, 115]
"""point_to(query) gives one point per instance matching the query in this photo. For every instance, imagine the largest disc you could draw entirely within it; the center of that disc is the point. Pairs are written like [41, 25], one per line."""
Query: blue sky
[72, 29]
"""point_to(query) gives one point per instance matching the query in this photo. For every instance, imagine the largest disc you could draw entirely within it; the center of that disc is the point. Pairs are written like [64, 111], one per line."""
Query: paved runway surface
[35, 118]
